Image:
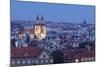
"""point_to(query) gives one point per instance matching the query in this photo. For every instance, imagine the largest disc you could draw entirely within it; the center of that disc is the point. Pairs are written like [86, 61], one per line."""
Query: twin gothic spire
[38, 18]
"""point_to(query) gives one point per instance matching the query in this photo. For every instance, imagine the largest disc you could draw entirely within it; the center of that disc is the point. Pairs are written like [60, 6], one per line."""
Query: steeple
[42, 18]
[84, 22]
[37, 18]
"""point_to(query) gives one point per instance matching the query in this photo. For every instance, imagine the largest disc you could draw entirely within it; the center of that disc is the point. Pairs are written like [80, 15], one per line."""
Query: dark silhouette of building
[58, 57]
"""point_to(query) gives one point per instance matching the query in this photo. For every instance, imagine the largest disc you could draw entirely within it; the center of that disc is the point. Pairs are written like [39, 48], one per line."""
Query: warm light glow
[40, 32]
[40, 28]
[16, 43]
[32, 36]
[76, 60]
[21, 36]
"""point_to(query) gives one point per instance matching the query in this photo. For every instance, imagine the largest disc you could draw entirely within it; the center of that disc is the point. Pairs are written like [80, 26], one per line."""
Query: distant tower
[84, 30]
[40, 28]
[84, 23]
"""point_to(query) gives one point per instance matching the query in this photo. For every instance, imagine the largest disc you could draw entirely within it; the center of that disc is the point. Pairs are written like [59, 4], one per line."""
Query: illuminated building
[40, 28]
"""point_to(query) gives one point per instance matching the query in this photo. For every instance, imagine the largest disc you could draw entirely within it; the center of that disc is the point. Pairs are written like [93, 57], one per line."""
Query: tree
[58, 56]
[13, 43]
[83, 44]
[27, 38]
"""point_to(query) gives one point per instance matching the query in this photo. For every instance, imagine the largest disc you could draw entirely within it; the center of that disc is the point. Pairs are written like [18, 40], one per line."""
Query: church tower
[40, 28]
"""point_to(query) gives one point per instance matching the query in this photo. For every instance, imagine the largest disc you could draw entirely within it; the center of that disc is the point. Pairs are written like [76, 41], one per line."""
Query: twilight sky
[52, 12]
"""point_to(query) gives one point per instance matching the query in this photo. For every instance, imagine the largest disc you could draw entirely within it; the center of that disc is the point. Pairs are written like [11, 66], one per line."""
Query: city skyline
[52, 12]
[47, 33]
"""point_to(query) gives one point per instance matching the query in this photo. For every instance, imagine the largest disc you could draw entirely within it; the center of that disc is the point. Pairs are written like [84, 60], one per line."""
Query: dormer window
[44, 55]
[26, 55]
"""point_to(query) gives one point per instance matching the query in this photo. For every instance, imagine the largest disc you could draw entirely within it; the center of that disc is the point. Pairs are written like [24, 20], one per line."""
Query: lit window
[76, 60]
[23, 62]
[46, 61]
[42, 61]
[16, 43]
[32, 61]
[36, 61]
[28, 61]
[51, 60]
[18, 62]
[13, 62]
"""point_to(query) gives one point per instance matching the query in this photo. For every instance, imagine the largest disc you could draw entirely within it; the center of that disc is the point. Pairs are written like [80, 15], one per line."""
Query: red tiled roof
[73, 54]
[25, 30]
[19, 52]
